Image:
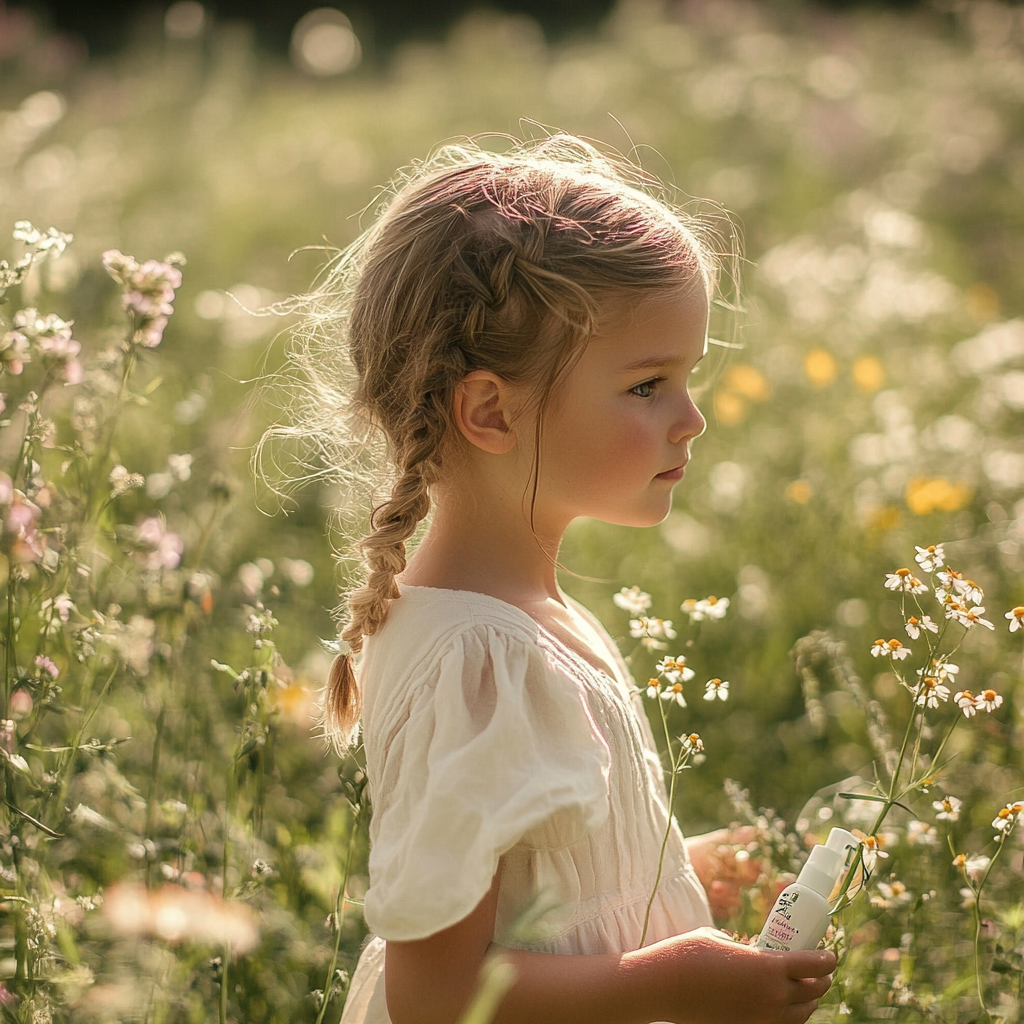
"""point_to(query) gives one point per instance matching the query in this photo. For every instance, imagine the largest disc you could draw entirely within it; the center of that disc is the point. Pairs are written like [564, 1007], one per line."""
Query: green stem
[222, 1004]
[977, 922]
[340, 905]
[676, 767]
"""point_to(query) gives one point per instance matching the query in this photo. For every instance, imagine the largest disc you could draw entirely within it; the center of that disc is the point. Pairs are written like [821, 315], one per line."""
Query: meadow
[176, 843]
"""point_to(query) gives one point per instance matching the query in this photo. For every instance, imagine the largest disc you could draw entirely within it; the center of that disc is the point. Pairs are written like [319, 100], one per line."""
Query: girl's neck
[480, 539]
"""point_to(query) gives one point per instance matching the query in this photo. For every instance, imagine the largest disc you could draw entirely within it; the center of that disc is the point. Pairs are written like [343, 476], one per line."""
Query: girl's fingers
[810, 963]
[806, 989]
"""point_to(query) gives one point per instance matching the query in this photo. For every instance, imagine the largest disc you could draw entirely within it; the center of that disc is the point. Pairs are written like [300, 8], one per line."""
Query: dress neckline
[519, 612]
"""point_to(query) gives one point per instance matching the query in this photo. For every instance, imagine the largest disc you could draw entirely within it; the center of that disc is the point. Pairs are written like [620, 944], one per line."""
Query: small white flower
[890, 649]
[953, 580]
[712, 608]
[692, 743]
[905, 581]
[651, 628]
[943, 670]
[973, 618]
[931, 557]
[653, 687]
[630, 599]
[1016, 618]
[948, 808]
[1007, 816]
[872, 851]
[988, 700]
[675, 670]
[914, 626]
[674, 691]
[716, 688]
[964, 700]
[972, 592]
[930, 691]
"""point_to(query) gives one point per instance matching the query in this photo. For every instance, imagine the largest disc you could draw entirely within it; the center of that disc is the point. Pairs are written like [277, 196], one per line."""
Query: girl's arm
[701, 977]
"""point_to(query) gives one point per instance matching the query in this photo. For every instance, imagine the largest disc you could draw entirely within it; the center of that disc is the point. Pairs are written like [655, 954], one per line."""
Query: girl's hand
[724, 867]
[719, 981]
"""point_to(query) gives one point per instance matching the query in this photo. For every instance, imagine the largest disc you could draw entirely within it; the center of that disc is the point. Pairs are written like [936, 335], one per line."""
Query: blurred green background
[873, 160]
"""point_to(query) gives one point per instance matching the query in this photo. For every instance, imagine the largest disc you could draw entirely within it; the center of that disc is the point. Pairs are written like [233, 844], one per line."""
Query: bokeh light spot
[821, 367]
[323, 43]
[868, 373]
[184, 20]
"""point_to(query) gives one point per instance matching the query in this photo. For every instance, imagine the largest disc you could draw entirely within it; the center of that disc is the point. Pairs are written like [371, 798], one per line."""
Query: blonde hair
[480, 260]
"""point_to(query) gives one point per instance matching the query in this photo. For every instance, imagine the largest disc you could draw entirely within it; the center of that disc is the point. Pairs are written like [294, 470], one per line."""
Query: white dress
[486, 738]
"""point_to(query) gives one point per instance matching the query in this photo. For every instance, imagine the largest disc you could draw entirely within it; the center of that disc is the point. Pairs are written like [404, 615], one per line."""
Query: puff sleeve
[488, 746]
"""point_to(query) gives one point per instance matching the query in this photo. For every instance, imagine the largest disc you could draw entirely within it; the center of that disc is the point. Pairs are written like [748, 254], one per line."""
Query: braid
[383, 551]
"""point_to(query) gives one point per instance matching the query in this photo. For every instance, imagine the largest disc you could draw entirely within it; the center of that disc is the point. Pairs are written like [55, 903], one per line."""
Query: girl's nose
[690, 423]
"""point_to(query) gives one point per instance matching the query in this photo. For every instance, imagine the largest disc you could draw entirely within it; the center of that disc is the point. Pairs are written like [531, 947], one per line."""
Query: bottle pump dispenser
[800, 916]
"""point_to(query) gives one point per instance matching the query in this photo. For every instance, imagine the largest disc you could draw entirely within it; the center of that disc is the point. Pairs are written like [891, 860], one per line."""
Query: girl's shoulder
[428, 625]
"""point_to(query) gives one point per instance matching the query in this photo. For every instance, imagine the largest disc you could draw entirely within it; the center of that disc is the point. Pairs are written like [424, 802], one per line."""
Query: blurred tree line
[383, 23]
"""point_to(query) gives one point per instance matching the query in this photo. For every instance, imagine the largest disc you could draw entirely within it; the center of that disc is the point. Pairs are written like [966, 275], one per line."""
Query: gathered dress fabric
[489, 740]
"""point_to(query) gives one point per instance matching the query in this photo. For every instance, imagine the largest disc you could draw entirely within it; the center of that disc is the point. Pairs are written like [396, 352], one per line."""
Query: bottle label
[779, 932]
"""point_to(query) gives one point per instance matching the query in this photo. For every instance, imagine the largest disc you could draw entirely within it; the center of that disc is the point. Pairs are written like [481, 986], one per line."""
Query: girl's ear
[484, 409]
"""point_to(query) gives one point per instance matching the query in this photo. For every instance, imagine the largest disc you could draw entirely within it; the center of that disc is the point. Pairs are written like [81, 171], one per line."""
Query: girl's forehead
[631, 324]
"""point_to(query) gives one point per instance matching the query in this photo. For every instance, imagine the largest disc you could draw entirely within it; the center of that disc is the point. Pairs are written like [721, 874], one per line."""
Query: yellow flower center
[989, 695]
[904, 573]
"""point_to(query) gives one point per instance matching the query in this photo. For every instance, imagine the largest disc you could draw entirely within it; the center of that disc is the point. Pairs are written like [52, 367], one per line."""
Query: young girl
[522, 328]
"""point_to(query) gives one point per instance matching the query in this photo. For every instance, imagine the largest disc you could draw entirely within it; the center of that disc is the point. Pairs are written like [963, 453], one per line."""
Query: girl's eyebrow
[652, 363]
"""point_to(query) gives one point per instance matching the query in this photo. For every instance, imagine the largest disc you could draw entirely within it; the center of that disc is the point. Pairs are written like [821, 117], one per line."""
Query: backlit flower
[716, 688]
[1007, 816]
[929, 692]
[930, 558]
[630, 599]
[711, 608]
[651, 631]
[890, 649]
[872, 846]
[953, 580]
[674, 691]
[975, 867]
[914, 626]
[675, 670]
[988, 700]
[964, 700]
[653, 687]
[693, 743]
[948, 808]
[1016, 617]
[904, 581]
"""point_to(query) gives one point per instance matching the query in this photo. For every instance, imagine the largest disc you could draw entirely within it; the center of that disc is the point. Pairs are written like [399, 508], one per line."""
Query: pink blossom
[46, 665]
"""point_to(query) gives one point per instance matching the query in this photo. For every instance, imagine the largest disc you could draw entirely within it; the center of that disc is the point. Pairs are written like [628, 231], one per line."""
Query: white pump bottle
[800, 916]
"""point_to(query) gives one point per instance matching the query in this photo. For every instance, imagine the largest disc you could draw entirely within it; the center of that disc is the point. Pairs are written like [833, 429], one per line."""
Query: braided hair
[480, 260]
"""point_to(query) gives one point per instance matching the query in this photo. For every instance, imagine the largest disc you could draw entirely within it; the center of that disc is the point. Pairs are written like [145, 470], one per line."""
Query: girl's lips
[672, 474]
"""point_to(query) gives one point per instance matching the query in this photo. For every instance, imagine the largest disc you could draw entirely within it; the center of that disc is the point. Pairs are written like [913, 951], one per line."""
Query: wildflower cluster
[667, 687]
[935, 639]
[147, 292]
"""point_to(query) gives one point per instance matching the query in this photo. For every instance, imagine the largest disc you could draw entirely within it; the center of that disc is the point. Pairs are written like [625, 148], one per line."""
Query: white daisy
[674, 691]
[632, 600]
[675, 670]
[914, 626]
[988, 700]
[948, 808]
[716, 688]
[1016, 618]
[930, 558]
[905, 581]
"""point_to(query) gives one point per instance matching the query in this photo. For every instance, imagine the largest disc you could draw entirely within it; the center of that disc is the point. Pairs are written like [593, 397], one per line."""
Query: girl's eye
[646, 389]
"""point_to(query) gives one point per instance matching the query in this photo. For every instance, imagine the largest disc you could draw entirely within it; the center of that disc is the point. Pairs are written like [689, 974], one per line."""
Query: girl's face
[616, 436]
